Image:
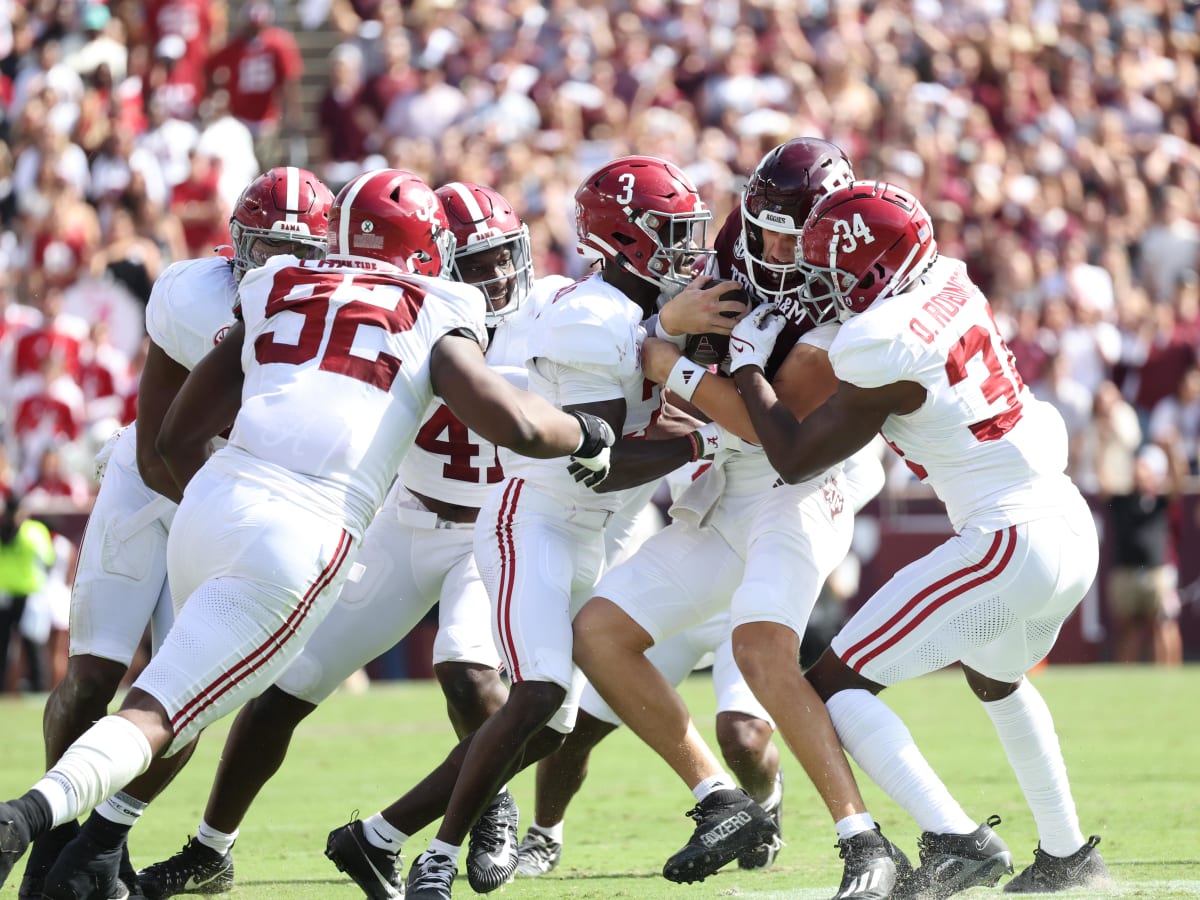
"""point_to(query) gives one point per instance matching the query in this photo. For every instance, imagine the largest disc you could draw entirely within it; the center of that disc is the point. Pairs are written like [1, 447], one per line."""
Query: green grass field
[1131, 738]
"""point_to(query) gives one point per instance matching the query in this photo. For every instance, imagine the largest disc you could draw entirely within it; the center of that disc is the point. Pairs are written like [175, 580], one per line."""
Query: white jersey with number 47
[336, 362]
[994, 453]
[449, 462]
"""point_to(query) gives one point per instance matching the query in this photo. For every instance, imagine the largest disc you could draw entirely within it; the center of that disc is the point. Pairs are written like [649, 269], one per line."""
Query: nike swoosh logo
[501, 860]
[979, 845]
[193, 883]
[740, 346]
[1073, 871]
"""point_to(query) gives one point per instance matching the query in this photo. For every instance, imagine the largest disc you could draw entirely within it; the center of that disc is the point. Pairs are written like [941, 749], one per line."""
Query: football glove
[754, 337]
[590, 462]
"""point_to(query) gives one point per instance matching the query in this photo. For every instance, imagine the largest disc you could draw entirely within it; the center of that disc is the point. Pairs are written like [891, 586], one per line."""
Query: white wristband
[679, 340]
[685, 377]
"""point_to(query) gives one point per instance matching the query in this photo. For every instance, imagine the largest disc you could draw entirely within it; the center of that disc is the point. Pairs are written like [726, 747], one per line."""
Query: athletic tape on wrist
[685, 378]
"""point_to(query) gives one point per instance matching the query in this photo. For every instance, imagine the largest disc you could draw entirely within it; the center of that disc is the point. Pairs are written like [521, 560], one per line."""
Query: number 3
[625, 195]
[1002, 382]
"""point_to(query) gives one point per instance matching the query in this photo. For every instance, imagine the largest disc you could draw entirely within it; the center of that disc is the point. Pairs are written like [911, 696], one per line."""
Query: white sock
[852, 825]
[553, 832]
[722, 781]
[103, 760]
[1027, 733]
[884, 749]
[213, 839]
[122, 809]
[441, 848]
[383, 834]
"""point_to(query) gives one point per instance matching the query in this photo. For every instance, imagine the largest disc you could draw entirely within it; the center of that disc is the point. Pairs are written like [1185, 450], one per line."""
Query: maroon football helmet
[865, 242]
[492, 246]
[645, 214]
[392, 216]
[284, 210]
[778, 197]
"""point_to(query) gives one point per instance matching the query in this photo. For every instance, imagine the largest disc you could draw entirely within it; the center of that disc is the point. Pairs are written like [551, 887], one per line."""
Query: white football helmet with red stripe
[493, 250]
[392, 216]
[284, 210]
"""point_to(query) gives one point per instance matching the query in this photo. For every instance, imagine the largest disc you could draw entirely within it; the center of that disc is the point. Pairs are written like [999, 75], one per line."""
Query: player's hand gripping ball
[712, 349]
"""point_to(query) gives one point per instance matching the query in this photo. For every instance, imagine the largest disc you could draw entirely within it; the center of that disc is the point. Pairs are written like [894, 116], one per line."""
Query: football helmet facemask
[644, 214]
[864, 243]
[779, 195]
[492, 246]
[284, 210]
[392, 216]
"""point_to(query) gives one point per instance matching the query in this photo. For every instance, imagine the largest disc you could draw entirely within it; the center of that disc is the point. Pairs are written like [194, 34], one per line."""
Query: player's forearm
[719, 399]
[535, 428]
[776, 426]
[638, 461]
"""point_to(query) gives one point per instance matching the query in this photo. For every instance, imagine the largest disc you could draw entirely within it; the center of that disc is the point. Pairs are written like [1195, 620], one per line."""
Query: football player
[920, 360]
[121, 581]
[743, 726]
[741, 540]
[326, 376]
[416, 552]
[539, 543]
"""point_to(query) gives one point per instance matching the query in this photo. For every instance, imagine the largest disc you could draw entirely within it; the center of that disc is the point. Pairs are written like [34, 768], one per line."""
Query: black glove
[590, 462]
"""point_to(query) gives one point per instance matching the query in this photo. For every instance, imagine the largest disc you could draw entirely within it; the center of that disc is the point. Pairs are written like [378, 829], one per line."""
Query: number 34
[851, 232]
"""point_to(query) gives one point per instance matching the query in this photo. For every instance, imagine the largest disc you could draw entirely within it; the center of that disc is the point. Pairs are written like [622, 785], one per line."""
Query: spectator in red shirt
[59, 337]
[54, 480]
[197, 203]
[200, 28]
[261, 68]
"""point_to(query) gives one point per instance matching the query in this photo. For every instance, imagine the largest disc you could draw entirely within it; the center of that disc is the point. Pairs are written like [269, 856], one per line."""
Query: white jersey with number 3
[994, 453]
[336, 362]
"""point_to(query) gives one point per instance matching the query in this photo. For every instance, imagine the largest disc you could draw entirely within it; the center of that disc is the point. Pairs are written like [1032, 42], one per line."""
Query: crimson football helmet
[492, 246]
[392, 216]
[646, 215]
[284, 210]
[778, 197]
[864, 243]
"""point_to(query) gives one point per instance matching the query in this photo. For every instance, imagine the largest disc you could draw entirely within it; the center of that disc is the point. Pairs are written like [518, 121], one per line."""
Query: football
[712, 349]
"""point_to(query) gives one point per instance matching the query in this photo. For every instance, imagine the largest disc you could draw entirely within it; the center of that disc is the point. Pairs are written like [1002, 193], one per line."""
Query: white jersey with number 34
[337, 371]
[994, 453]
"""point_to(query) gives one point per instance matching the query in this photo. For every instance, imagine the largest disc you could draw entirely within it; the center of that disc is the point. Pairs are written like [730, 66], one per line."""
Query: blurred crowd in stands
[1055, 142]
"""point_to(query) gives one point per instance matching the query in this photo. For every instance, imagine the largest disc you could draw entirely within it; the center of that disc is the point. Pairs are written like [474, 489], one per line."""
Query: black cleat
[872, 866]
[764, 855]
[196, 869]
[14, 839]
[430, 877]
[372, 868]
[955, 862]
[1049, 874]
[42, 855]
[492, 852]
[728, 823]
[85, 870]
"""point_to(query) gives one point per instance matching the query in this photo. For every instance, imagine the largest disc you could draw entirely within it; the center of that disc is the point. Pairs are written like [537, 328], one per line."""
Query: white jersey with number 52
[336, 358]
[994, 453]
